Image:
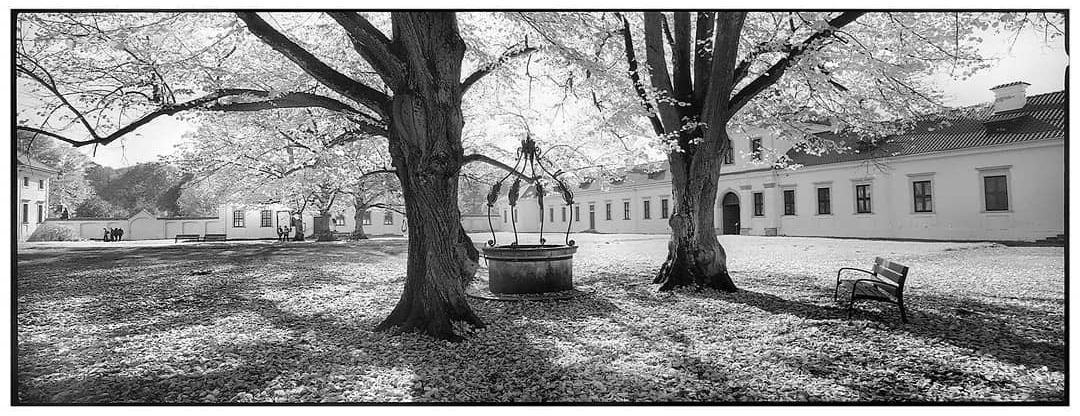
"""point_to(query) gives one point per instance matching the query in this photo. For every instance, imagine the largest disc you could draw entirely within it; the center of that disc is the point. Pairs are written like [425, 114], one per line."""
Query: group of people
[283, 232]
[114, 234]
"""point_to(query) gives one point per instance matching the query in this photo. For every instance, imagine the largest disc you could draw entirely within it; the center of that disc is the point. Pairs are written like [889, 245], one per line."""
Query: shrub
[52, 232]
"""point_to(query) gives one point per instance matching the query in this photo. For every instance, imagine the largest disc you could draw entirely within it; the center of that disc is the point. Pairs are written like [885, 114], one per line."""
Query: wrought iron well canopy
[530, 157]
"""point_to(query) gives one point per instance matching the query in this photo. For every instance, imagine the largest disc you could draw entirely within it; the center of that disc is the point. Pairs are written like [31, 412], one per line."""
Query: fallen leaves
[272, 323]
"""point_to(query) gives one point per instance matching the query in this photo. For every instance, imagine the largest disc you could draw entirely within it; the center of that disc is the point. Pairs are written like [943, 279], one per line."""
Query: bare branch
[369, 97]
[373, 46]
[513, 52]
[773, 74]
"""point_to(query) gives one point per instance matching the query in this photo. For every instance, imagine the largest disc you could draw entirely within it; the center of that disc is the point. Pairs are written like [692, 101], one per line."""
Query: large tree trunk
[358, 216]
[695, 257]
[322, 227]
[425, 145]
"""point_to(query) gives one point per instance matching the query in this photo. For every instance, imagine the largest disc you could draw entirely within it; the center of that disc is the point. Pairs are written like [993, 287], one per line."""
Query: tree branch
[373, 46]
[476, 157]
[635, 76]
[511, 53]
[773, 74]
[213, 102]
[658, 72]
[369, 97]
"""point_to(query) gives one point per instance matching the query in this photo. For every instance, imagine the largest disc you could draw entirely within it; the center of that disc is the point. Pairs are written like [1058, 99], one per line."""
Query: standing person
[119, 234]
[280, 234]
[106, 238]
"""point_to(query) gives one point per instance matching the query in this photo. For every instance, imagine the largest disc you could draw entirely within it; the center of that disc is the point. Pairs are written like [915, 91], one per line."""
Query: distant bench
[186, 237]
[885, 284]
[214, 237]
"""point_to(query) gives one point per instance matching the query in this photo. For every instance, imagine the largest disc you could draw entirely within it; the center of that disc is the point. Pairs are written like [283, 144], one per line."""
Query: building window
[237, 218]
[41, 184]
[516, 216]
[265, 218]
[789, 202]
[923, 201]
[26, 181]
[626, 210]
[647, 209]
[759, 204]
[551, 214]
[862, 199]
[607, 211]
[366, 218]
[729, 154]
[388, 218]
[995, 189]
[504, 216]
[577, 213]
[40, 213]
[563, 214]
[755, 148]
[664, 208]
[824, 202]
[339, 220]
[25, 213]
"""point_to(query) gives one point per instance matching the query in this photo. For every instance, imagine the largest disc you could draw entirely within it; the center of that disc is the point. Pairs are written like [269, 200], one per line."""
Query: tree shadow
[1014, 334]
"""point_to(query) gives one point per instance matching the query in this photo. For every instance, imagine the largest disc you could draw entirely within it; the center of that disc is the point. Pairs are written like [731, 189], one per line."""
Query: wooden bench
[885, 284]
[186, 237]
[214, 237]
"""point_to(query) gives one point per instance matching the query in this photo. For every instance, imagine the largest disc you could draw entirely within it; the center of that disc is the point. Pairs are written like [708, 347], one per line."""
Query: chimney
[1011, 96]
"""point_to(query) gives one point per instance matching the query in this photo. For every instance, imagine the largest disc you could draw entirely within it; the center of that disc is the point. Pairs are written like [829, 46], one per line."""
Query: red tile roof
[1042, 118]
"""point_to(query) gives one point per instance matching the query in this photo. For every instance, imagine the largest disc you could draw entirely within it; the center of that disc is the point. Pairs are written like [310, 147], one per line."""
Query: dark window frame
[824, 205]
[388, 218]
[789, 205]
[755, 148]
[551, 214]
[647, 209]
[365, 218]
[26, 213]
[607, 211]
[664, 211]
[41, 184]
[729, 153]
[238, 220]
[563, 214]
[863, 199]
[266, 218]
[626, 210]
[998, 199]
[759, 204]
[40, 213]
[922, 195]
[577, 213]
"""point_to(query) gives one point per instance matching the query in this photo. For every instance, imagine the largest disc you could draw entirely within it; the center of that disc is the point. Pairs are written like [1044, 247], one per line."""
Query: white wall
[32, 197]
[1036, 195]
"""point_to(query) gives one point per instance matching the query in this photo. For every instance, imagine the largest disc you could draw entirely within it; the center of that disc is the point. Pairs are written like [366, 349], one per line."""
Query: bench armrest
[836, 291]
[850, 268]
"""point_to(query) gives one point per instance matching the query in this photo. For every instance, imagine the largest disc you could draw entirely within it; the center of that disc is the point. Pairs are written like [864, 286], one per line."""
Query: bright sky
[1029, 59]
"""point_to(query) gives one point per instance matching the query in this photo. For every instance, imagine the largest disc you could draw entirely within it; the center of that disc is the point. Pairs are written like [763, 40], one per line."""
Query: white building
[998, 175]
[237, 222]
[32, 180]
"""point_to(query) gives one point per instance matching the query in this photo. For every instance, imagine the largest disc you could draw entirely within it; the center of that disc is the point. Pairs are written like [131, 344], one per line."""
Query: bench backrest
[893, 271]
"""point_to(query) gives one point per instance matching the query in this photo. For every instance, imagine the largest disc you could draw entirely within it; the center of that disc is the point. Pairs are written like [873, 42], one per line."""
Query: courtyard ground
[267, 321]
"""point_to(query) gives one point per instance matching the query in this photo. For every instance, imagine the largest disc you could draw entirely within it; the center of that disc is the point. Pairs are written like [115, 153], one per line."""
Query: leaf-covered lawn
[262, 321]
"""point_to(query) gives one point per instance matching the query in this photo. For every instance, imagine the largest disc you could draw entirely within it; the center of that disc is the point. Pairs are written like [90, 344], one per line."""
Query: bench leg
[850, 307]
[903, 315]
